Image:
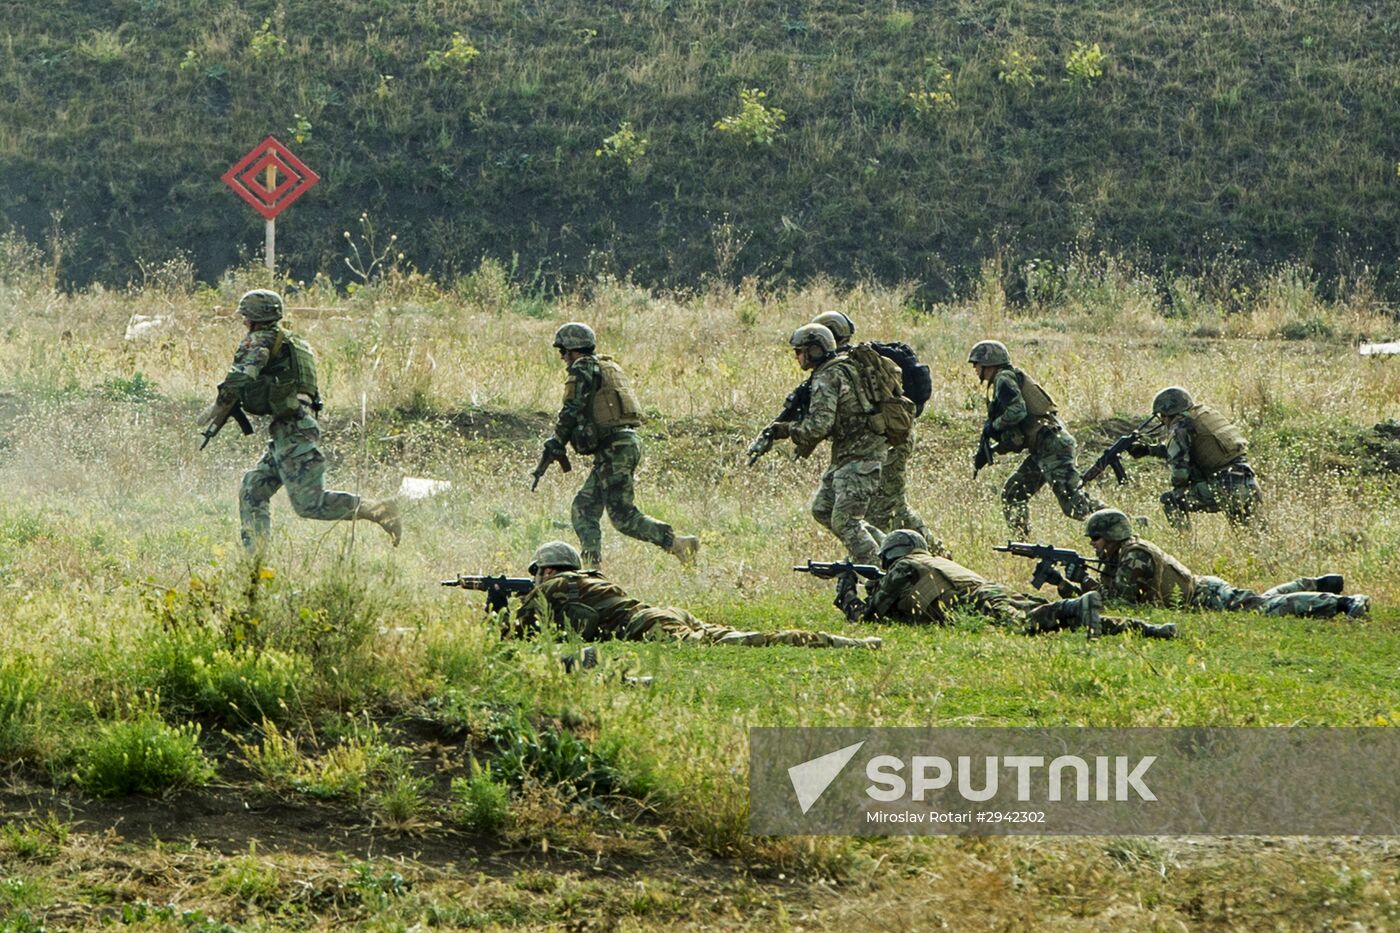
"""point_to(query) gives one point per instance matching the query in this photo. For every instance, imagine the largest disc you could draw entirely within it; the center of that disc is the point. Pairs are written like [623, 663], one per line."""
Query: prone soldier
[599, 417]
[274, 373]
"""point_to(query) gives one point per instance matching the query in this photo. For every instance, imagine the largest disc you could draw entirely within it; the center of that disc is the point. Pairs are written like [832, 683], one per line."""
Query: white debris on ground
[418, 487]
[1380, 349]
[141, 326]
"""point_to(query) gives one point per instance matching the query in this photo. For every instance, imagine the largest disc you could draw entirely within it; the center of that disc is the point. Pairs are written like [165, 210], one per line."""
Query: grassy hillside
[919, 139]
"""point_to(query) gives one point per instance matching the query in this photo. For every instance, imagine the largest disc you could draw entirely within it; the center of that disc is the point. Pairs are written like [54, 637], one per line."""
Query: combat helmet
[575, 336]
[1173, 400]
[261, 306]
[809, 334]
[560, 554]
[841, 327]
[1109, 524]
[899, 543]
[990, 353]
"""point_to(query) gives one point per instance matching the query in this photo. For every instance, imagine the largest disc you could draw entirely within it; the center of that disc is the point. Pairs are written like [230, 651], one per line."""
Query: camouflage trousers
[668, 622]
[890, 509]
[1295, 598]
[843, 500]
[609, 486]
[1052, 461]
[1027, 614]
[293, 459]
[1232, 490]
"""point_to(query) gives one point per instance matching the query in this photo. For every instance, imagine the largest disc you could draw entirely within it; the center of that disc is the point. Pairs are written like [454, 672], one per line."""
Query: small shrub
[898, 22]
[266, 44]
[624, 146]
[300, 130]
[250, 880]
[19, 705]
[1084, 64]
[456, 58]
[1308, 328]
[144, 755]
[554, 756]
[756, 124]
[136, 389]
[481, 802]
[1017, 69]
[400, 804]
[345, 770]
[35, 842]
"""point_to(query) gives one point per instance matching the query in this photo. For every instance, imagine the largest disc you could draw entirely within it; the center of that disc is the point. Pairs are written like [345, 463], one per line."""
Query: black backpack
[918, 381]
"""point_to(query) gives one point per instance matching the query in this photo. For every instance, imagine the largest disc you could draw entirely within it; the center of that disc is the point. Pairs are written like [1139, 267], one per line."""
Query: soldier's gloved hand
[555, 447]
[851, 605]
[779, 430]
[1067, 590]
[497, 600]
[207, 416]
[1137, 450]
[1055, 577]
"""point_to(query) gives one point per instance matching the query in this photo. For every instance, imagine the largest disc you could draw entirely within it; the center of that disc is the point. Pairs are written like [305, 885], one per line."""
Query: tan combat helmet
[809, 334]
[990, 353]
[575, 336]
[1173, 400]
[1109, 524]
[261, 306]
[558, 554]
[899, 543]
[841, 327]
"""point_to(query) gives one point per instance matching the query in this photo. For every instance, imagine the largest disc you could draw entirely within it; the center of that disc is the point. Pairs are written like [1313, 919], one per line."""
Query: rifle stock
[226, 411]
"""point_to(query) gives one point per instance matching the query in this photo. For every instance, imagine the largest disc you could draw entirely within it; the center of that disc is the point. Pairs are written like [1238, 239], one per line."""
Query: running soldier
[274, 373]
[599, 417]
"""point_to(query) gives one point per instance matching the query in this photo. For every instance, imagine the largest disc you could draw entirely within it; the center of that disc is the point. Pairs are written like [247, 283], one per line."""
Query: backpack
[880, 384]
[918, 381]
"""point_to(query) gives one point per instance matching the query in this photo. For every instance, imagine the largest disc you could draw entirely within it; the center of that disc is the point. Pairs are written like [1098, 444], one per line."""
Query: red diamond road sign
[270, 178]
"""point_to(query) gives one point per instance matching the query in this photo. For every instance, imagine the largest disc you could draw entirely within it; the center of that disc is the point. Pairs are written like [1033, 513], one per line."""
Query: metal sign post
[267, 195]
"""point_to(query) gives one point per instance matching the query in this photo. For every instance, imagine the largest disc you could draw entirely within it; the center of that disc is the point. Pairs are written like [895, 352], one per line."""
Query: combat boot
[1088, 608]
[684, 547]
[1145, 629]
[1330, 583]
[385, 514]
[841, 641]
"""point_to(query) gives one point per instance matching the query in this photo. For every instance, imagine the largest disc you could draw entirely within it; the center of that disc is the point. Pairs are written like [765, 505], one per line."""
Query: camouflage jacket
[1177, 451]
[575, 421]
[1141, 572]
[897, 596]
[837, 412]
[584, 601]
[249, 359]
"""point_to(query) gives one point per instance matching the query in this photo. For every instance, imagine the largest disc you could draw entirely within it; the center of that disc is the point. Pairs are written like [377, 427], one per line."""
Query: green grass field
[332, 739]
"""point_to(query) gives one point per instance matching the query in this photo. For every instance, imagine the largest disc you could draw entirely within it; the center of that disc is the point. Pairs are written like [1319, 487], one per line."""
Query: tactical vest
[1040, 413]
[939, 580]
[615, 405]
[590, 604]
[1217, 440]
[290, 371]
[1169, 575]
[880, 387]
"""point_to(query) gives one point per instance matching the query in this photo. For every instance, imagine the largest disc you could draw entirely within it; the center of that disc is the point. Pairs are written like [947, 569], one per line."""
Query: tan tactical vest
[1040, 412]
[590, 603]
[615, 405]
[1217, 440]
[1169, 575]
[939, 580]
[290, 373]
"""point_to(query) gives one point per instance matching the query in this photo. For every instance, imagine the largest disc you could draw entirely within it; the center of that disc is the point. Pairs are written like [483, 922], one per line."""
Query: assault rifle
[1076, 566]
[551, 454]
[1113, 457]
[983, 457]
[498, 589]
[794, 408]
[845, 573]
[222, 414]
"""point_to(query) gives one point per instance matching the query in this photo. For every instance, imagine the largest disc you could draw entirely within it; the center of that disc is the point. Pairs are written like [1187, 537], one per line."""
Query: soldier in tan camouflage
[1138, 572]
[1206, 454]
[890, 506]
[921, 588]
[1022, 416]
[596, 609]
[836, 412]
[274, 373]
[598, 417]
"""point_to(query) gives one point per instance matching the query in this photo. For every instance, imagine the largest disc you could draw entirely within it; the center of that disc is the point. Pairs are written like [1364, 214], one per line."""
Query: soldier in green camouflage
[1022, 416]
[598, 417]
[890, 506]
[597, 609]
[836, 412]
[1206, 454]
[1138, 572]
[274, 373]
[921, 588]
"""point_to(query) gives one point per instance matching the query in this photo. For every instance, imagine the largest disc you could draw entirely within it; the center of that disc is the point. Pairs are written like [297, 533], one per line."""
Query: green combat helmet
[261, 306]
[899, 543]
[809, 334]
[560, 554]
[1173, 400]
[990, 353]
[1109, 524]
[841, 327]
[575, 336]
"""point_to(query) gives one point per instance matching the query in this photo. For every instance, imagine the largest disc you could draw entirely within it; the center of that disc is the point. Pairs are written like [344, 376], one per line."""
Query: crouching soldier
[921, 588]
[597, 609]
[1138, 572]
